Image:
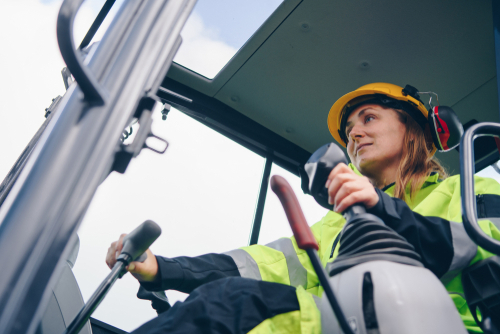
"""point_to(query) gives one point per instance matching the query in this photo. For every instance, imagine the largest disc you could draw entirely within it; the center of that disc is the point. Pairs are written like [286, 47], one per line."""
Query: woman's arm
[280, 261]
[185, 274]
[182, 273]
[443, 245]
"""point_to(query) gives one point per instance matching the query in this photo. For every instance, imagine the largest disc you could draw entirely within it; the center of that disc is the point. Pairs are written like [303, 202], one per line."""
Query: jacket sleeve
[443, 244]
[185, 274]
[280, 261]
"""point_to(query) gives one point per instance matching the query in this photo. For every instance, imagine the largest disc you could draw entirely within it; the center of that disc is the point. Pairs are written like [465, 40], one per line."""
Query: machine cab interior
[259, 109]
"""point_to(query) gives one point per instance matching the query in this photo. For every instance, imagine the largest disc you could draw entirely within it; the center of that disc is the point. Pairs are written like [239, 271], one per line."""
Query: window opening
[216, 30]
[202, 192]
[274, 222]
[489, 172]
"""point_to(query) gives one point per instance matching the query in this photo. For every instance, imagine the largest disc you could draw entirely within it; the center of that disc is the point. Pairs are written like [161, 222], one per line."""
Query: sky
[202, 191]
[220, 28]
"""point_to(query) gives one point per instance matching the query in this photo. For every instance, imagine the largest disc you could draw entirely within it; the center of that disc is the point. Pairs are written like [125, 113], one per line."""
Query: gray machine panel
[407, 299]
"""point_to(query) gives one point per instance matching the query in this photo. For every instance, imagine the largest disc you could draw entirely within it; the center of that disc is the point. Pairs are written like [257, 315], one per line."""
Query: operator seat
[66, 300]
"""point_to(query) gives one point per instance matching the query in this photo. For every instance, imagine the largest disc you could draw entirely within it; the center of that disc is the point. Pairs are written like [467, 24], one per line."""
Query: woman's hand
[346, 188]
[144, 272]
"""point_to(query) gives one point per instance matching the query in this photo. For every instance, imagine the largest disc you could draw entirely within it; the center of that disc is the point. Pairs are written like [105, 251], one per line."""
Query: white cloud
[202, 50]
[30, 66]
[30, 71]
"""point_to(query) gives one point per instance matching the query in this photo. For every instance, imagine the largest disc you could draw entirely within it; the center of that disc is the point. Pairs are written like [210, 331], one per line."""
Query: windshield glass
[202, 192]
[216, 30]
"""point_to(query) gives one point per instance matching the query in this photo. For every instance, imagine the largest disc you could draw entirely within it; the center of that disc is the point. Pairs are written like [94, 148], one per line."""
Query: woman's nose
[356, 132]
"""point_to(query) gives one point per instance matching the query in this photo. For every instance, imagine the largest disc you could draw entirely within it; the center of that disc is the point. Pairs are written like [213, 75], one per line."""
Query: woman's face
[375, 138]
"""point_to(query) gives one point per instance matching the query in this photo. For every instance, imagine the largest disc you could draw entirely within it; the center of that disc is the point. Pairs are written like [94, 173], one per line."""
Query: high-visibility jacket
[431, 222]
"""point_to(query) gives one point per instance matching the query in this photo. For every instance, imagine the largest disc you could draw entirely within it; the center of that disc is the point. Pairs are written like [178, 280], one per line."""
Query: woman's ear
[428, 139]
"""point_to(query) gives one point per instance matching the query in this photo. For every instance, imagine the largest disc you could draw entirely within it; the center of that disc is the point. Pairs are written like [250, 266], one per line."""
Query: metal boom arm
[76, 151]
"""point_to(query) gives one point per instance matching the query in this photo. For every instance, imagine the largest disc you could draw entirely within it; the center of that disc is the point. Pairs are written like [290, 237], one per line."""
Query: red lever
[302, 232]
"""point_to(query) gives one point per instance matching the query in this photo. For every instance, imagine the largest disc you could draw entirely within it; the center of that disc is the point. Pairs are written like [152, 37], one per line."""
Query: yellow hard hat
[406, 99]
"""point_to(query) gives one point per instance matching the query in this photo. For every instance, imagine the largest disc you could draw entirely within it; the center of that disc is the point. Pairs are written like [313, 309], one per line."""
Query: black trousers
[229, 305]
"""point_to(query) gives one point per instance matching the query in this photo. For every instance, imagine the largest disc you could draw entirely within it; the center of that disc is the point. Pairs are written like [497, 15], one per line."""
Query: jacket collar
[389, 189]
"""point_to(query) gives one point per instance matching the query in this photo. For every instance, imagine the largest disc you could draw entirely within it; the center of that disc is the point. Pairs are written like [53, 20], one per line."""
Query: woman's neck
[383, 178]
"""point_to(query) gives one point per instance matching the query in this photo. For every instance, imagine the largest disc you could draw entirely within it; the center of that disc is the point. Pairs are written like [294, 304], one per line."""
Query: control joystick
[318, 168]
[364, 237]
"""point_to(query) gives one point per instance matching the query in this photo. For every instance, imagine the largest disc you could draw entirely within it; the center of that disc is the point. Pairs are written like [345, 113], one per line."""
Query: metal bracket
[53, 105]
[165, 111]
[67, 77]
[127, 152]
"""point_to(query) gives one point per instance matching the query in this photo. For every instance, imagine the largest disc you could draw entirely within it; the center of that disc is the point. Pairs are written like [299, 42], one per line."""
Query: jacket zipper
[480, 202]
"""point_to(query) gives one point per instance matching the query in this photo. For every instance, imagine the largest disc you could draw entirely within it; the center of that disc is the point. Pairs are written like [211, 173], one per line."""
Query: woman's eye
[369, 118]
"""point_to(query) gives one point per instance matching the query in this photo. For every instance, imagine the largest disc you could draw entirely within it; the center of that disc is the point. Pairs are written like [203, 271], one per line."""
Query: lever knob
[318, 167]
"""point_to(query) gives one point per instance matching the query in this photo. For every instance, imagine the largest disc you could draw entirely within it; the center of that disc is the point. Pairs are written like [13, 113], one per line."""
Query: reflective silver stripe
[464, 250]
[296, 271]
[317, 300]
[456, 293]
[247, 266]
[161, 295]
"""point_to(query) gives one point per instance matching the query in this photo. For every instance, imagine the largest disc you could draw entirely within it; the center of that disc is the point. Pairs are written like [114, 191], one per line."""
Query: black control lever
[138, 241]
[134, 246]
[318, 168]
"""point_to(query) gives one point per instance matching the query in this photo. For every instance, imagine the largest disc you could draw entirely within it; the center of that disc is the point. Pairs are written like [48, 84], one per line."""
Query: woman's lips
[361, 146]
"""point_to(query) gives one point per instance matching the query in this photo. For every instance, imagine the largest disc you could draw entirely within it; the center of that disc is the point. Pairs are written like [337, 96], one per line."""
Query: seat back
[66, 300]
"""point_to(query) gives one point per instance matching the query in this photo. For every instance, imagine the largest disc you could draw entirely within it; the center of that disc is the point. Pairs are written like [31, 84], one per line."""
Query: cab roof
[311, 52]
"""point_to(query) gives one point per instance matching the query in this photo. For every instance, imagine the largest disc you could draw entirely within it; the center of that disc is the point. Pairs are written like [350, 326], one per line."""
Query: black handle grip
[467, 192]
[83, 76]
[142, 258]
[318, 168]
[139, 240]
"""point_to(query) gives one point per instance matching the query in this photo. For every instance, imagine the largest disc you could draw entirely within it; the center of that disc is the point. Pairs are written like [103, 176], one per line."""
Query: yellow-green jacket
[277, 262]
[431, 222]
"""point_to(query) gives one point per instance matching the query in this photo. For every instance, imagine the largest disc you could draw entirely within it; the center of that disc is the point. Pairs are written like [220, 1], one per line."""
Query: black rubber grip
[139, 240]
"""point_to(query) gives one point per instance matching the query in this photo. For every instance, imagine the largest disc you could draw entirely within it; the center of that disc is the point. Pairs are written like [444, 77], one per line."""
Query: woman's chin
[366, 164]
[364, 160]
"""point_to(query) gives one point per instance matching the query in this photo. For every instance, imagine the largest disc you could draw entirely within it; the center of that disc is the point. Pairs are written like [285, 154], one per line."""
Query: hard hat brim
[392, 91]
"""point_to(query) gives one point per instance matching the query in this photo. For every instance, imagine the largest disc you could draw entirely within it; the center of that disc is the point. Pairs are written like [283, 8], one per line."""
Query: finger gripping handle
[139, 240]
[302, 232]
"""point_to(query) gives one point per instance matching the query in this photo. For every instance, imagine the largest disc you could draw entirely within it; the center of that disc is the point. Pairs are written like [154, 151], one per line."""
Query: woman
[391, 172]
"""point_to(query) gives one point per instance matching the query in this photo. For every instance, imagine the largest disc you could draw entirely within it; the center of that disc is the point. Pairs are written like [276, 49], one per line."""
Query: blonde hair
[417, 161]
